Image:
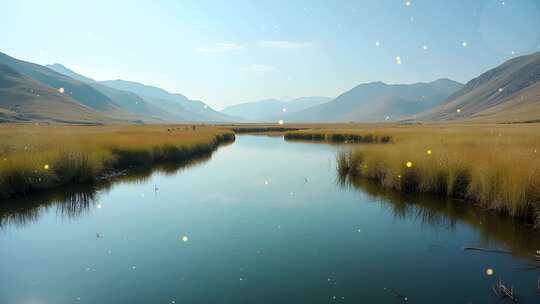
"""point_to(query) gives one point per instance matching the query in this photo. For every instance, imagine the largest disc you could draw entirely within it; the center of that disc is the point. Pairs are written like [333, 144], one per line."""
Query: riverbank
[496, 167]
[338, 136]
[34, 158]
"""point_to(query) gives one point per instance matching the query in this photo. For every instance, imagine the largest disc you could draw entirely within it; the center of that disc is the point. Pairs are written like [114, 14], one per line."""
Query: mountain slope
[79, 91]
[129, 101]
[271, 109]
[22, 99]
[378, 101]
[509, 92]
[161, 97]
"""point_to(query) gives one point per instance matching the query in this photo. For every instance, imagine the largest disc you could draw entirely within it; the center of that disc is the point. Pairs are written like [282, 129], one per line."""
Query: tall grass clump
[337, 136]
[494, 166]
[41, 157]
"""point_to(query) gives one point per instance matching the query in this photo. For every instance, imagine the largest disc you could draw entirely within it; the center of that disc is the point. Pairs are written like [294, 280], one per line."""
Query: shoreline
[493, 167]
[122, 162]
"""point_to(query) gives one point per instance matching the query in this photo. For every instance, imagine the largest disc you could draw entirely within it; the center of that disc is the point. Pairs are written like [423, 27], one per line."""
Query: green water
[266, 221]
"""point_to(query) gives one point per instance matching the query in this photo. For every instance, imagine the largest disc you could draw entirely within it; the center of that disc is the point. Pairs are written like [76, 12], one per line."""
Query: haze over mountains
[378, 101]
[271, 110]
[507, 93]
[149, 100]
[96, 101]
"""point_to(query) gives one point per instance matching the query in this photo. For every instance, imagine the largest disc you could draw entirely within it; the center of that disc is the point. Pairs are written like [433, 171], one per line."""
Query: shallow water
[260, 221]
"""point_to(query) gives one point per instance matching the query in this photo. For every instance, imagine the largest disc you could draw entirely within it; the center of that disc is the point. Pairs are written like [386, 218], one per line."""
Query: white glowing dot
[458, 110]
[241, 279]
[359, 230]
[489, 272]
[133, 267]
[284, 110]
[377, 43]
[408, 3]
[398, 59]
[513, 52]
[61, 90]
[464, 44]
[280, 121]
[291, 193]
[266, 182]
[387, 118]
[185, 238]
[98, 206]
[425, 47]
[500, 90]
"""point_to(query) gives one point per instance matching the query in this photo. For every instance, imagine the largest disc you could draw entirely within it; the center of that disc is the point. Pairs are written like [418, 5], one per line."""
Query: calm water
[266, 221]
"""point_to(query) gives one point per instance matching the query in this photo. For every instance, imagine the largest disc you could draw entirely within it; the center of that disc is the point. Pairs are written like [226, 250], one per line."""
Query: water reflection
[75, 201]
[436, 212]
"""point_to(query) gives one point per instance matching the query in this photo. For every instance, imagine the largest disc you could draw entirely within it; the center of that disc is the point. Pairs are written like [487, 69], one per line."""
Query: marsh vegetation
[494, 166]
[41, 157]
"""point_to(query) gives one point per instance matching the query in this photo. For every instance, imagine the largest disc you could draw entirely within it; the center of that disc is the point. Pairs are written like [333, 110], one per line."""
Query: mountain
[272, 109]
[129, 101]
[25, 99]
[162, 98]
[79, 91]
[378, 101]
[507, 93]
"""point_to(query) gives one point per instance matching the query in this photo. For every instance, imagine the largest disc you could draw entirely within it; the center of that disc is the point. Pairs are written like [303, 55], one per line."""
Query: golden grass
[343, 135]
[39, 157]
[496, 166]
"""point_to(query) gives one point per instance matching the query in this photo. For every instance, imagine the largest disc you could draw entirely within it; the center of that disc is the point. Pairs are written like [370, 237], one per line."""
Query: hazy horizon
[225, 53]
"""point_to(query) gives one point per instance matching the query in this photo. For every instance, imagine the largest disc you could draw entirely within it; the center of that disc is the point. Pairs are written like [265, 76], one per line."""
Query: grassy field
[41, 157]
[495, 166]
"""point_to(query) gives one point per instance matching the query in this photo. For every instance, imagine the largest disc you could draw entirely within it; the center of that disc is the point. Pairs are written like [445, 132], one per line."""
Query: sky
[228, 52]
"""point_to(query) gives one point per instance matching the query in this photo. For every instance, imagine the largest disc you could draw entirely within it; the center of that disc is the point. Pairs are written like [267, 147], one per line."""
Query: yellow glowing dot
[489, 272]
[46, 167]
[428, 152]
[458, 110]
[61, 90]
[408, 164]
[185, 238]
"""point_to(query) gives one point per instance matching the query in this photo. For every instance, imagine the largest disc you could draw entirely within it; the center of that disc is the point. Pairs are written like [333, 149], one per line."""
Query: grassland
[494, 166]
[46, 156]
[343, 135]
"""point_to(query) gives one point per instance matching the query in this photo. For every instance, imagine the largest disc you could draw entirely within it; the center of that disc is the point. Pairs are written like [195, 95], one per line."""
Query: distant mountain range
[30, 92]
[87, 101]
[148, 100]
[378, 101]
[270, 110]
[507, 93]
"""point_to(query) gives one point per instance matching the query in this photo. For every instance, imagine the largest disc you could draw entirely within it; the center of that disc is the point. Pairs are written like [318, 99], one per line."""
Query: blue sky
[227, 52]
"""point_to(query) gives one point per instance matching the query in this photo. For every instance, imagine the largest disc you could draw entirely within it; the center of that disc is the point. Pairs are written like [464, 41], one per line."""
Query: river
[259, 221]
